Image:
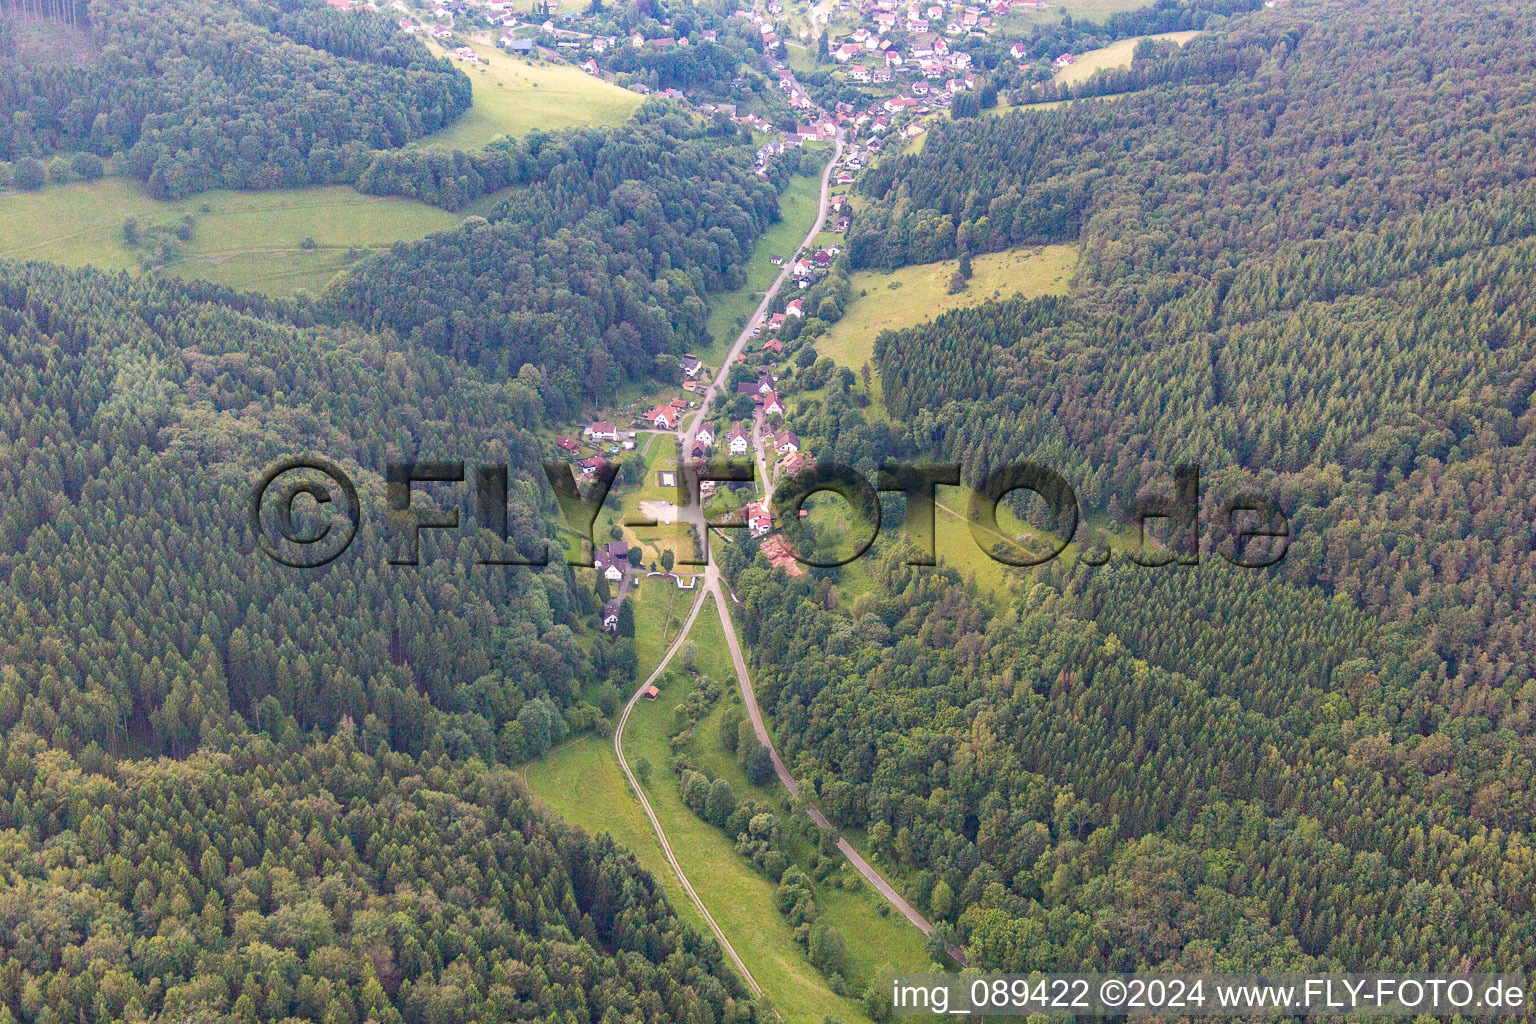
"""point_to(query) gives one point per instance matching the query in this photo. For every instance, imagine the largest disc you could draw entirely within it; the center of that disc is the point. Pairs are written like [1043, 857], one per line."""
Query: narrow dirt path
[661, 835]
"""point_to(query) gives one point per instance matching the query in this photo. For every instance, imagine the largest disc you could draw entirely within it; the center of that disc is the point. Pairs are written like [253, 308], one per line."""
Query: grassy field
[1115, 55]
[250, 240]
[653, 540]
[740, 899]
[921, 293]
[797, 208]
[582, 783]
[1099, 10]
[660, 608]
[514, 95]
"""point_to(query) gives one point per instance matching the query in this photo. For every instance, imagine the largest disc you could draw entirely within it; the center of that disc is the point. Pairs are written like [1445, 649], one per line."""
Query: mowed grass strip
[513, 96]
[1115, 55]
[890, 300]
[248, 240]
[740, 899]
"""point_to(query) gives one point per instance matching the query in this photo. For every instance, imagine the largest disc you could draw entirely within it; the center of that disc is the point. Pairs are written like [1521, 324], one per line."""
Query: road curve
[661, 835]
[873, 877]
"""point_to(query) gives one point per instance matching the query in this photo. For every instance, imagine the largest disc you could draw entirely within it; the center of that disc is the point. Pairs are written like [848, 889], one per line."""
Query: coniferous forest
[201, 94]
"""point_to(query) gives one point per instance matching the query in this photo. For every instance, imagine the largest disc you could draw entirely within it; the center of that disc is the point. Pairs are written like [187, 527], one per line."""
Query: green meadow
[514, 95]
[284, 241]
[740, 899]
[1115, 55]
[890, 300]
[249, 240]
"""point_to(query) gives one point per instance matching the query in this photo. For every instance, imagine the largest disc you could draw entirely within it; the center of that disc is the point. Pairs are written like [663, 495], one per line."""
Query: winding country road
[694, 515]
[750, 699]
[634, 783]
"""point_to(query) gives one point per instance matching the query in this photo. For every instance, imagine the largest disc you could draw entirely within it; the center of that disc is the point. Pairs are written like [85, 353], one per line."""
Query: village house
[663, 417]
[568, 444]
[763, 386]
[599, 431]
[793, 463]
[759, 521]
[773, 346]
[611, 617]
[691, 366]
[739, 441]
[705, 436]
[785, 441]
[794, 307]
[771, 405]
[610, 568]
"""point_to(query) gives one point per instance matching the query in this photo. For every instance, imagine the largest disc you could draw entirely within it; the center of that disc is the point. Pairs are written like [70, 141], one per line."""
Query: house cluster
[784, 446]
[812, 267]
[603, 438]
[613, 564]
[666, 416]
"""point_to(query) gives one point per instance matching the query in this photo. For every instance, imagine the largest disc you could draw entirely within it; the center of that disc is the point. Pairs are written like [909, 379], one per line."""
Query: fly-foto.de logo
[305, 512]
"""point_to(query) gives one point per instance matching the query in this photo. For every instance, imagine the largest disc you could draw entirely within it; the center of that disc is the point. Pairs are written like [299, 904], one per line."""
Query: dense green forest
[137, 614]
[259, 881]
[240, 791]
[330, 845]
[1209, 769]
[1312, 276]
[598, 261]
[200, 94]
